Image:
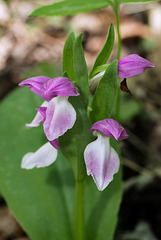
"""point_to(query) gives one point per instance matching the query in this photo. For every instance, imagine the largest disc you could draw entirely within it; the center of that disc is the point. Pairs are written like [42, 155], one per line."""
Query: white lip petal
[38, 117]
[28, 162]
[102, 161]
[60, 116]
[43, 157]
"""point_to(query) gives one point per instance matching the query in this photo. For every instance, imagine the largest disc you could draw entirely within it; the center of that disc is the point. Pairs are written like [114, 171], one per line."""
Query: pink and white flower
[57, 113]
[101, 160]
[128, 66]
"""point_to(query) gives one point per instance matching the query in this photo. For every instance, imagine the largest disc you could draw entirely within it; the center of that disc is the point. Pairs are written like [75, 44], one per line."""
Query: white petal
[43, 157]
[38, 118]
[60, 116]
[96, 78]
[102, 161]
[27, 161]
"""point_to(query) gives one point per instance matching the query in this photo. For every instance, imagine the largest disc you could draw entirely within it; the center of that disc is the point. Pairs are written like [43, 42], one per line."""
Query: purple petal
[132, 65]
[60, 116]
[48, 88]
[42, 111]
[110, 128]
[43, 157]
[101, 161]
[38, 118]
[60, 86]
[36, 85]
[55, 143]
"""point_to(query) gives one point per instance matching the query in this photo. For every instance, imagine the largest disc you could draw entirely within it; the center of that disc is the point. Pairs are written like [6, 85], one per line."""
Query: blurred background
[34, 46]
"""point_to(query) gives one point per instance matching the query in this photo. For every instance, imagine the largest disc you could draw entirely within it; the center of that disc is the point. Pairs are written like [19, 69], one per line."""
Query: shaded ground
[36, 45]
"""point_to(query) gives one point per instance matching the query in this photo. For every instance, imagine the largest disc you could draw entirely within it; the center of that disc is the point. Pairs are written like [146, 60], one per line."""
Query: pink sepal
[48, 88]
[132, 65]
[36, 85]
[60, 86]
[110, 128]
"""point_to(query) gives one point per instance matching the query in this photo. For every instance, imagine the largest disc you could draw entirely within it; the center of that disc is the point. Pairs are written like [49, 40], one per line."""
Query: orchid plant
[54, 197]
[59, 114]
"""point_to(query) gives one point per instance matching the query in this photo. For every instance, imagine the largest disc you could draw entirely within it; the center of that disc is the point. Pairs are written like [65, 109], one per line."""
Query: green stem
[79, 228]
[116, 11]
[117, 112]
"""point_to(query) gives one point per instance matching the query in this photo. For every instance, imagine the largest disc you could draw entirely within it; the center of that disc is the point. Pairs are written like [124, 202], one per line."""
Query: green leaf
[70, 7]
[41, 199]
[81, 71]
[68, 64]
[74, 141]
[135, 1]
[100, 68]
[73, 55]
[104, 98]
[105, 52]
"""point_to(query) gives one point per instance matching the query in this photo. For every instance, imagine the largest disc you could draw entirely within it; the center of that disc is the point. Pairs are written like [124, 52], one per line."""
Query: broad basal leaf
[40, 199]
